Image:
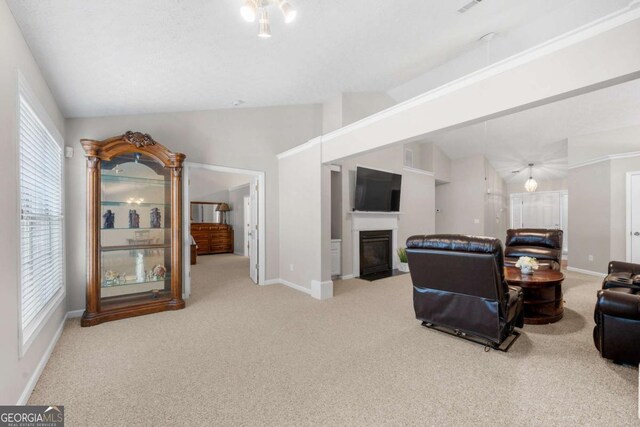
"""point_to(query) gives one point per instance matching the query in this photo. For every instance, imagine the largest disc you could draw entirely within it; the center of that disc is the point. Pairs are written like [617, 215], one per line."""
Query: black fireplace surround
[375, 252]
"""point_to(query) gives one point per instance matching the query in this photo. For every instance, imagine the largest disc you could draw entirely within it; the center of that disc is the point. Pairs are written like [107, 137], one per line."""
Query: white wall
[247, 138]
[300, 214]
[16, 372]
[589, 216]
[460, 203]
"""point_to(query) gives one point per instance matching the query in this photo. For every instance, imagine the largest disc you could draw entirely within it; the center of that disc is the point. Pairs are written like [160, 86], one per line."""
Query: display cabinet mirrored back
[134, 228]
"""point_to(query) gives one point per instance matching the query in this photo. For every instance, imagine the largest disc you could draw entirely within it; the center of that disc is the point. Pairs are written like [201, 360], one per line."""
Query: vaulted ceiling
[539, 135]
[131, 57]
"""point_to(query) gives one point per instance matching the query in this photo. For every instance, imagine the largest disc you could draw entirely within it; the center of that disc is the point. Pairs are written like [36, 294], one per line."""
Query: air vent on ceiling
[469, 5]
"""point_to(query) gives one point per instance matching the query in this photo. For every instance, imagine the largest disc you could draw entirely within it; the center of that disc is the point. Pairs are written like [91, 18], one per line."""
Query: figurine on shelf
[134, 219]
[110, 278]
[156, 218]
[140, 273]
[158, 272]
[109, 219]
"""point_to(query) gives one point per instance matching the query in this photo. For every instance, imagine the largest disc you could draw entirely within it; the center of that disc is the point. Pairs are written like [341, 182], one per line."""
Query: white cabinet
[336, 257]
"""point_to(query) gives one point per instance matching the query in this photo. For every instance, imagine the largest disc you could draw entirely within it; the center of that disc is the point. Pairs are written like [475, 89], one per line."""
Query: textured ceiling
[539, 135]
[129, 57]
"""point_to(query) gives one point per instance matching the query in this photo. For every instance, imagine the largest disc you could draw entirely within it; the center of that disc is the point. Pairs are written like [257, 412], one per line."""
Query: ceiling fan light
[287, 10]
[248, 10]
[531, 185]
[265, 29]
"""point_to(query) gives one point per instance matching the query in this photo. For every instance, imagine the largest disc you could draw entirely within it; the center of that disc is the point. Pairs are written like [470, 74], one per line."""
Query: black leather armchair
[542, 244]
[617, 314]
[458, 284]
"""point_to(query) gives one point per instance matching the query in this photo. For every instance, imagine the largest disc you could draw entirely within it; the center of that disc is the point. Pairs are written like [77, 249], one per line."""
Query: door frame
[629, 231]
[186, 223]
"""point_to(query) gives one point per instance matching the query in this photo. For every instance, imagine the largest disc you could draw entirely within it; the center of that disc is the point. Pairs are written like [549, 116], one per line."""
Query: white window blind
[41, 219]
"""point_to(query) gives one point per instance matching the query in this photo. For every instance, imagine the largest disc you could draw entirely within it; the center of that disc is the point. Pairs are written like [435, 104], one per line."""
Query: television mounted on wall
[377, 191]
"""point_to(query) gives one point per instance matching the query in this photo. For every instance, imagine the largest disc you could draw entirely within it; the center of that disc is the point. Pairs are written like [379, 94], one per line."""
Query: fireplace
[376, 252]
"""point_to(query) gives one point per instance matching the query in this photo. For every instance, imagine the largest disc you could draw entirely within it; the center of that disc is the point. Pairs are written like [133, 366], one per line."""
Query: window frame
[27, 334]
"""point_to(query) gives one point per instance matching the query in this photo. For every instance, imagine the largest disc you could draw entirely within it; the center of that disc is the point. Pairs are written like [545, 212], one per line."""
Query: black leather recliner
[545, 245]
[617, 314]
[458, 283]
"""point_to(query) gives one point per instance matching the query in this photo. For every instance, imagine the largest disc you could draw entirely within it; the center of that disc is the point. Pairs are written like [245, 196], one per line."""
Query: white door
[247, 224]
[634, 216]
[253, 233]
[516, 212]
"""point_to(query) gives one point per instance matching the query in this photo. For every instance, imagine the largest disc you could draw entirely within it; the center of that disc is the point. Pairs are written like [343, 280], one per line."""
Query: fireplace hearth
[376, 256]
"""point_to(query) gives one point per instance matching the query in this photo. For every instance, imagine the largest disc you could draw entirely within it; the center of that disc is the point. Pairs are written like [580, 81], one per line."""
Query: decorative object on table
[158, 271]
[156, 218]
[140, 274]
[134, 219]
[109, 219]
[404, 260]
[527, 264]
[224, 208]
[110, 278]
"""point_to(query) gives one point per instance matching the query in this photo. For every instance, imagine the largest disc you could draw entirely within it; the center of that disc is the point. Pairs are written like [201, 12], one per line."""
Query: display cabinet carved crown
[134, 228]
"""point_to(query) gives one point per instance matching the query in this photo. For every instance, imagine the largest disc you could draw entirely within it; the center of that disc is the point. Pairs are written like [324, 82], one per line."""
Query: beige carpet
[241, 354]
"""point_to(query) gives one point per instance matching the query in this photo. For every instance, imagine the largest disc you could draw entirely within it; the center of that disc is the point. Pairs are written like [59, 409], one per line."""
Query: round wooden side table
[542, 290]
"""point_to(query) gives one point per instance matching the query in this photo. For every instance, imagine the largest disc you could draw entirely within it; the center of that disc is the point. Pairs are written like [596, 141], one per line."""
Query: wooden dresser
[212, 238]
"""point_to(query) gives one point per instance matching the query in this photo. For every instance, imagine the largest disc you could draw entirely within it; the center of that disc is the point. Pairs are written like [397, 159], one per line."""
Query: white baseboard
[289, 284]
[346, 277]
[74, 314]
[322, 290]
[31, 384]
[587, 272]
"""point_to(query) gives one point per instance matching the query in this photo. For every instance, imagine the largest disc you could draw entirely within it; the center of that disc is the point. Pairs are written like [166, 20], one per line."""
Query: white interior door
[634, 215]
[247, 224]
[253, 231]
[516, 212]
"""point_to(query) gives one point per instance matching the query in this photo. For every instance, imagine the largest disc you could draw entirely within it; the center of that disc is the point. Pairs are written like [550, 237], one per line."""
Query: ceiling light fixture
[258, 8]
[264, 27]
[248, 10]
[531, 185]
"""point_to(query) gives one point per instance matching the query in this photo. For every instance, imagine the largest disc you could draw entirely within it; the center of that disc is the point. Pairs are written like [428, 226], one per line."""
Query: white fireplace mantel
[367, 221]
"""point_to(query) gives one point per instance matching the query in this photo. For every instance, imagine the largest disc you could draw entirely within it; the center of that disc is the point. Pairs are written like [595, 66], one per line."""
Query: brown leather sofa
[542, 244]
[458, 284]
[617, 314]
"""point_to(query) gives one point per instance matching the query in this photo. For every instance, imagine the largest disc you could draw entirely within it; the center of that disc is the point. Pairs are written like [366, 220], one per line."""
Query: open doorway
[224, 212]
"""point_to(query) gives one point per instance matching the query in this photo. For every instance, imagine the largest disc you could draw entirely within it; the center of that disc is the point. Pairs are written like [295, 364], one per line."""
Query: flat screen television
[377, 191]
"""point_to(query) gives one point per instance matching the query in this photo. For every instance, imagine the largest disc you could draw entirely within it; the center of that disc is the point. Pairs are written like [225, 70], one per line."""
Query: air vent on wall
[469, 5]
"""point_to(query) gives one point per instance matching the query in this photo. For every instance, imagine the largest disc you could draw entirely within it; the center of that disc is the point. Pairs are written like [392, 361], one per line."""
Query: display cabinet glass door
[135, 234]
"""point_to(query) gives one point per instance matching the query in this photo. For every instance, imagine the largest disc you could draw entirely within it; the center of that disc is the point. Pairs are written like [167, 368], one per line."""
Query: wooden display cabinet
[134, 228]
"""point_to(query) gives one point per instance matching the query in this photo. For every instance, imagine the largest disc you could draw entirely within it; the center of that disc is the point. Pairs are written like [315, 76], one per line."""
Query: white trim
[587, 272]
[74, 314]
[553, 45]
[289, 284]
[605, 158]
[239, 187]
[300, 148]
[335, 168]
[346, 277]
[322, 290]
[629, 231]
[373, 213]
[31, 384]
[262, 245]
[417, 170]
